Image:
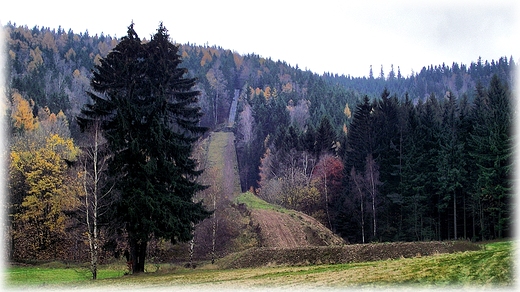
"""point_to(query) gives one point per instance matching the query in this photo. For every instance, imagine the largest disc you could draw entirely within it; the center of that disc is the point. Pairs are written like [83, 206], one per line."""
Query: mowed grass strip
[42, 276]
[217, 144]
[491, 267]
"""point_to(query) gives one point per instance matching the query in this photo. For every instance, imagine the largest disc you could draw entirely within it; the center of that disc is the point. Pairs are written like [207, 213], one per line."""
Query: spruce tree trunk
[137, 255]
[464, 215]
[362, 223]
[473, 222]
[455, 215]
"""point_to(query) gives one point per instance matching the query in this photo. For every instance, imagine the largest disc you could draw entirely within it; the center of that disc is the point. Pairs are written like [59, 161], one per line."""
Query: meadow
[490, 267]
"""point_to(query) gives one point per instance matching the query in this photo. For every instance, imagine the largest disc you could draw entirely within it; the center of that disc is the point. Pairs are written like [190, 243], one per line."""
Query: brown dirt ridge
[291, 230]
[355, 253]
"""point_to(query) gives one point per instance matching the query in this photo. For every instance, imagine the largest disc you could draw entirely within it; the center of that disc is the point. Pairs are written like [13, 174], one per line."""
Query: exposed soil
[258, 257]
[290, 230]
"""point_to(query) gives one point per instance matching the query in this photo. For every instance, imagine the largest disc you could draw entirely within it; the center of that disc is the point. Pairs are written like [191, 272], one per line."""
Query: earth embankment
[355, 253]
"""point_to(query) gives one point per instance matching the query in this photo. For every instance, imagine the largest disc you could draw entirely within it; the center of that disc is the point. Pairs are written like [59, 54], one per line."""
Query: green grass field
[56, 273]
[491, 267]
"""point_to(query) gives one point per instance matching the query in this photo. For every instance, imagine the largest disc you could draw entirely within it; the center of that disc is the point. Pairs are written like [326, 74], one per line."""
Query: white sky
[344, 37]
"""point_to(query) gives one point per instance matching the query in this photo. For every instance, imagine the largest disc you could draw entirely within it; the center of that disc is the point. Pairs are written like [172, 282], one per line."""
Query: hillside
[283, 228]
[243, 221]
[377, 159]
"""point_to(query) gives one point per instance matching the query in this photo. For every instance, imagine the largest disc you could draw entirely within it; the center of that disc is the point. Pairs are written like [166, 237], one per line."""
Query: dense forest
[390, 157]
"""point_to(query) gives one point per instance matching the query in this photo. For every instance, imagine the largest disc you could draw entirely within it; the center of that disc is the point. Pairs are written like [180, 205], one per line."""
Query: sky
[343, 37]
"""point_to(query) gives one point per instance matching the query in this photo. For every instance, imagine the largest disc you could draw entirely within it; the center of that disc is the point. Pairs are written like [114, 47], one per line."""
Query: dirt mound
[292, 229]
[258, 257]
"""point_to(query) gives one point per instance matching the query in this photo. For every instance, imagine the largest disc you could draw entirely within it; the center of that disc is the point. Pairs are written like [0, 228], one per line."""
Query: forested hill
[311, 142]
[52, 67]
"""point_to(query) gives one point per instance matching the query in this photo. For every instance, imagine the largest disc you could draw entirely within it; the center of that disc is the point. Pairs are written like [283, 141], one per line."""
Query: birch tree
[96, 188]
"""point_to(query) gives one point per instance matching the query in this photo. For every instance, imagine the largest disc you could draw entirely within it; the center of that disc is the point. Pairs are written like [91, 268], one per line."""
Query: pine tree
[478, 116]
[325, 136]
[150, 119]
[386, 155]
[491, 144]
[411, 189]
[464, 136]
[450, 165]
[360, 137]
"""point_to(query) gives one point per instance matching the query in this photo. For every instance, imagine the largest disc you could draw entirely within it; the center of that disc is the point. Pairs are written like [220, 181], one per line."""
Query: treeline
[400, 171]
[437, 79]
[436, 157]
[439, 169]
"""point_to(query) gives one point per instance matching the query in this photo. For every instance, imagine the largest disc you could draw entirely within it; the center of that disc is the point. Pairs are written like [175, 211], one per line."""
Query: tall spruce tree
[325, 137]
[492, 149]
[386, 155]
[450, 164]
[360, 141]
[150, 120]
[465, 127]
[412, 189]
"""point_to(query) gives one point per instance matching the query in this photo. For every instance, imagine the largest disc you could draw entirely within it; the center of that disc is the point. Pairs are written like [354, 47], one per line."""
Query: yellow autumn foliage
[239, 60]
[267, 92]
[70, 54]
[206, 57]
[347, 111]
[287, 88]
[37, 59]
[21, 113]
[41, 185]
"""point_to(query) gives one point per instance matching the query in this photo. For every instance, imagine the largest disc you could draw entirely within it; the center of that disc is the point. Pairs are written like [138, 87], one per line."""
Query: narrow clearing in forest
[276, 227]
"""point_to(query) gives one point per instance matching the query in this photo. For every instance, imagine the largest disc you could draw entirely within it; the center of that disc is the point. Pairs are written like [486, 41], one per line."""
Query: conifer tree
[386, 152]
[150, 119]
[491, 144]
[450, 165]
[468, 165]
[411, 188]
[325, 136]
[360, 139]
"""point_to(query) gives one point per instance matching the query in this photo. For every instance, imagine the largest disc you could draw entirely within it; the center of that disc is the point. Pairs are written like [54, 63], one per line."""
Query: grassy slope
[221, 155]
[491, 267]
[254, 202]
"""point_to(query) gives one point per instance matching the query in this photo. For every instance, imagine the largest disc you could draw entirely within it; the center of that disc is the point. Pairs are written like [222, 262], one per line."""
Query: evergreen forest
[397, 156]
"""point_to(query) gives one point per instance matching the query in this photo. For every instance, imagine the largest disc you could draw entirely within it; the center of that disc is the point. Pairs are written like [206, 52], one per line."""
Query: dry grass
[486, 268]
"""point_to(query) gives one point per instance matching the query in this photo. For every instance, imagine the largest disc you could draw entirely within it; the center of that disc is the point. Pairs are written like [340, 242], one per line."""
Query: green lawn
[40, 276]
[491, 267]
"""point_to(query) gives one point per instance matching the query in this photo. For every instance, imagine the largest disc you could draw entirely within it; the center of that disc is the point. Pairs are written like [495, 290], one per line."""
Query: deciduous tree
[97, 188]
